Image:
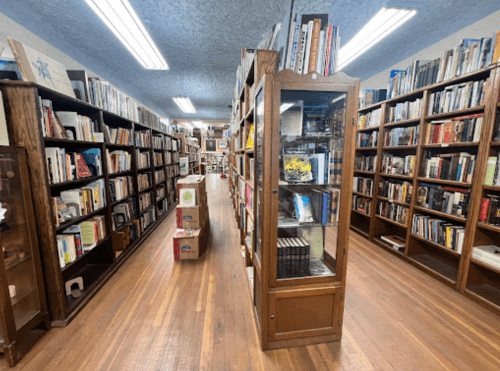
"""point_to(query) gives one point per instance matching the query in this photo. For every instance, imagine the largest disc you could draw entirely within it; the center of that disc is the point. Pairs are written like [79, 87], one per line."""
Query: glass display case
[304, 140]
[22, 291]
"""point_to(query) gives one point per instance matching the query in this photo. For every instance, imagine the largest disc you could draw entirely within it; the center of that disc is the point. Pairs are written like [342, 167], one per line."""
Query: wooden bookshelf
[99, 264]
[472, 278]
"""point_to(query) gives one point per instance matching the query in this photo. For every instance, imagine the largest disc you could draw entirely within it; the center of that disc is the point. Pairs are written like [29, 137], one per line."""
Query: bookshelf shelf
[451, 145]
[77, 181]
[359, 231]
[398, 148]
[462, 112]
[408, 177]
[370, 107]
[436, 267]
[391, 221]
[439, 213]
[432, 243]
[491, 188]
[82, 218]
[490, 227]
[364, 172]
[485, 265]
[97, 265]
[361, 194]
[361, 213]
[401, 123]
[444, 182]
[366, 148]
[393, 201]
[495, 144]
[147, 189]
[371, 128]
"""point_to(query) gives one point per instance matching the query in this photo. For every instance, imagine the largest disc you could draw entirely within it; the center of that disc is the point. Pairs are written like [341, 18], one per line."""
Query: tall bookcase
[191, 151]
[458, 269]
[99, 264]
[241, 173]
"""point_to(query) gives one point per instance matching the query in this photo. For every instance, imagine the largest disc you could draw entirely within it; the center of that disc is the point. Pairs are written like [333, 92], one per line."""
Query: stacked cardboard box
[190, 239]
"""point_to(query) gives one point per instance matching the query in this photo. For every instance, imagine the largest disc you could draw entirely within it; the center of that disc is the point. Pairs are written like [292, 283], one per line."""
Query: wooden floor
[156, 314]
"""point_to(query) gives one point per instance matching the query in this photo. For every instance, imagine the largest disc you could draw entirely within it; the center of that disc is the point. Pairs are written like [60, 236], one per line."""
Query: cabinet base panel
[312, 340]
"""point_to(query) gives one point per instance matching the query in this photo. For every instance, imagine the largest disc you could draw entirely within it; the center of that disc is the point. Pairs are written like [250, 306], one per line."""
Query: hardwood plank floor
[157, 314]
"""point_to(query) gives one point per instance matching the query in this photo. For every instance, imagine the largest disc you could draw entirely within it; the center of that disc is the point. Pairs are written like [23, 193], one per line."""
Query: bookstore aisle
[157, 314]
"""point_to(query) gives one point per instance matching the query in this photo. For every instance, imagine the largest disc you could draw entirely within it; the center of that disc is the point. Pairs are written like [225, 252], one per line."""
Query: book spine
[313, 59]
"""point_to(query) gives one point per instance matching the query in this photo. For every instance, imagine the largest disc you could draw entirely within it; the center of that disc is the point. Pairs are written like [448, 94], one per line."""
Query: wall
[10, 28]
[483, 28]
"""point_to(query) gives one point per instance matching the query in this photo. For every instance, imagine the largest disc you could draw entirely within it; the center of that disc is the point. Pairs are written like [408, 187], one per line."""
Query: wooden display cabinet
[22, 293]
[307, 306]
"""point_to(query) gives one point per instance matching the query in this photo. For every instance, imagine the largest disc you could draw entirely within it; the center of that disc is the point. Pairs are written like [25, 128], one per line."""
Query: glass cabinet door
[258, 140]
[16, 241]
[312, 132]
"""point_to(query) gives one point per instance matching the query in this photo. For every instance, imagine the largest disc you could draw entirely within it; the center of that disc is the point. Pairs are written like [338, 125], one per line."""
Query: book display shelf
[189, 150]
[130, 191]
[241, 157]
[22, 294]
[301, 205]
[422, 160]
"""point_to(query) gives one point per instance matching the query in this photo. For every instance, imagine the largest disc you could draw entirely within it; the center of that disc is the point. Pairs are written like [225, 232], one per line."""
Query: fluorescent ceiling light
[381, 25]
[285, 106]
[123, 21]
[343, 96]
[188, 125]
[198, 124]
[185, 105]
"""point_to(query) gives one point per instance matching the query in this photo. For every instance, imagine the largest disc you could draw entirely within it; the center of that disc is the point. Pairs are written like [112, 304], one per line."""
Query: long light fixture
[382, 24]
[185, 105]
[285, 106]
[198, 124]
[343, 96]
[123, 21]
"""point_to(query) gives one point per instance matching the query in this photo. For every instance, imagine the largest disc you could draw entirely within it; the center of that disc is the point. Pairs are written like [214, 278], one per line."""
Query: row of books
[405, 111]
[457, 97]
[392, 211]
[293, 258]
[172, 171]
[457, 167]
[396, 165]
[151, 120]
[170, 144]
[65, 166]
[123, 213]
[448, 200]
[396, 190]
[362, 185]
[118, 161]
[361, 204]
[143, 159]
[464, 129]
[105, 96]
[160, 192]
[76, 202]
[80, 238]
[492, 176]
[489, 254]
[121, 136]
[367, 140]
[145, 201]
[490, 209]
[148, 218]
[365, 163]
[439, 231]
[67, 124]
[370, 119]
[160, 176]
[163, 206]
[144, 180]
[143, 138]
[158, 142]
[468, 56]
[367, 97]
[313, 45]
[120, 188]
[406, 136]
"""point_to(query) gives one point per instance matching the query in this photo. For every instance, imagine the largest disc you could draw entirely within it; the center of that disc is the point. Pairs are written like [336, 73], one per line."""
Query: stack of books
[293, 258]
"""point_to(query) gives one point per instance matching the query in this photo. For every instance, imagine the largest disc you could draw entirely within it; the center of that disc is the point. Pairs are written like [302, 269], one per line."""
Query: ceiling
[202, 41]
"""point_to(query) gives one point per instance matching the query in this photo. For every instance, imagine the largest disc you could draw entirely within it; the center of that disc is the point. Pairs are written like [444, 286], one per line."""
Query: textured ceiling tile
[201, 41]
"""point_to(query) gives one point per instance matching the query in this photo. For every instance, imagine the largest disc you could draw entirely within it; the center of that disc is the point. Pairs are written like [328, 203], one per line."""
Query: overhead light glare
[198, 124]
[382, 24]
[285, 106]
[343, 96]
[185, 105]
[123, 21]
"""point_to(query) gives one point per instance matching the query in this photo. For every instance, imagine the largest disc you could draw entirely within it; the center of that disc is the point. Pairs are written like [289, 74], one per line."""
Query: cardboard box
[187, 244]
[197, 183]
[189, 217]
